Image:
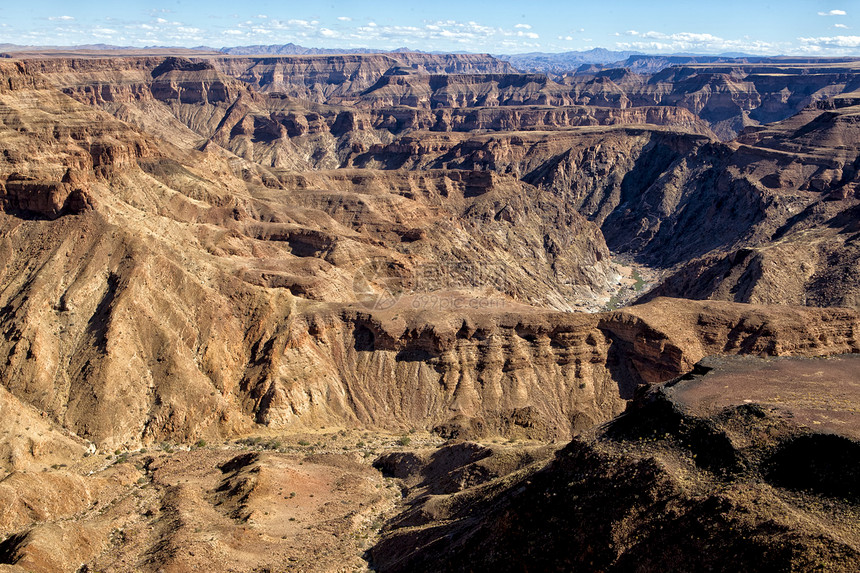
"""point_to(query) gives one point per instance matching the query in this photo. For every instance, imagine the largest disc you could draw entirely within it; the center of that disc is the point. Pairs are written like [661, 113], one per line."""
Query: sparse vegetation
[639, 282]
[613, 302]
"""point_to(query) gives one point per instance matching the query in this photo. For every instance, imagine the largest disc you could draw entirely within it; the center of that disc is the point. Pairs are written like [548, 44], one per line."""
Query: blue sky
[808, 27]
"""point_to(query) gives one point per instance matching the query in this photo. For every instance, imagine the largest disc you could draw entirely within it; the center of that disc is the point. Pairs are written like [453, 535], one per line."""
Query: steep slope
[729, 95]
[649, 189]
[679, 482]
[811, 256]
[689, 204]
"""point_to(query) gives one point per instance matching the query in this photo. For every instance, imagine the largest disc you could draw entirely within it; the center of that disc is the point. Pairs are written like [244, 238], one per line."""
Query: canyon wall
[163, 279]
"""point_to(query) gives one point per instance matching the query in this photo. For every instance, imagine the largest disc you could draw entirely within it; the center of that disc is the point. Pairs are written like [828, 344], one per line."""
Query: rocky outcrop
[50, 199]
[54, 149]
[191, 83]
[96, 294]
[649, 190]
[453, 63]
[514, 118]
[677, 482]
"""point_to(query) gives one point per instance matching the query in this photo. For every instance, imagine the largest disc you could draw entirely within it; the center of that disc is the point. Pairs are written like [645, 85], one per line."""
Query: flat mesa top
[821, 393]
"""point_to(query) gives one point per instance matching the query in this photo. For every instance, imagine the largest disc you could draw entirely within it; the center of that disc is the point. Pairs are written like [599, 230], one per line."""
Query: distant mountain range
[564, 63]
[296, 50]
[598, 59]
[266, 50]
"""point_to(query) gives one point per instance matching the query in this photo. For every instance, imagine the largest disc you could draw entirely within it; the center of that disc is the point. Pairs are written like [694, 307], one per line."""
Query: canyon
[362, 304]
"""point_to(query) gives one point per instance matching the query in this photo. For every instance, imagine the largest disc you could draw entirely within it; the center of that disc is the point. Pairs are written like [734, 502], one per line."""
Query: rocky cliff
[332, 79]
[729, 96]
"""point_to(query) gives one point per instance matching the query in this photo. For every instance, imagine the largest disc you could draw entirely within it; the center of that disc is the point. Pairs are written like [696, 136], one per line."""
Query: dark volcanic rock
[677, 483]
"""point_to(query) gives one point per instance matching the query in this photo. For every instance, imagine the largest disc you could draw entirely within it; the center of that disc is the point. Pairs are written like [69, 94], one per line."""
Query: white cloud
[834, 13]
[465, 35]
[342, 31]
[103, 33]
[840, 26]
[832, 41]
[63, 18]
[294, 24]
[694, 42]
